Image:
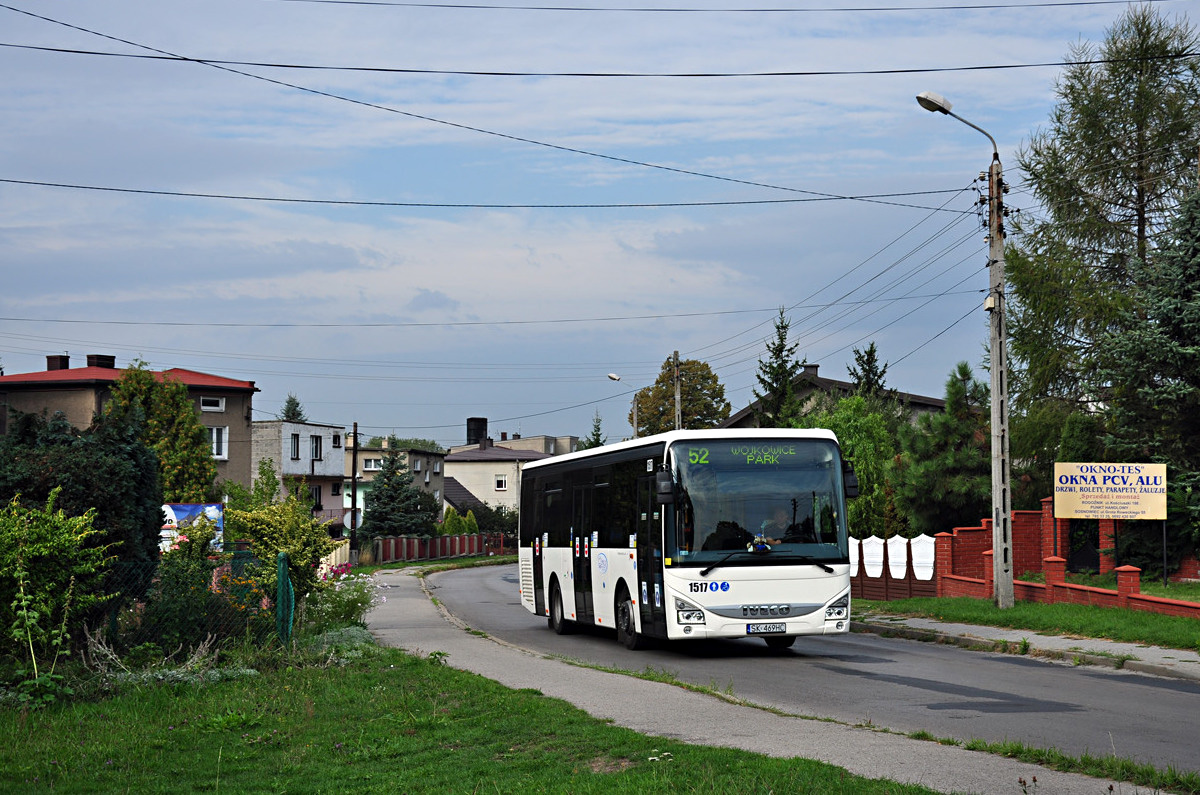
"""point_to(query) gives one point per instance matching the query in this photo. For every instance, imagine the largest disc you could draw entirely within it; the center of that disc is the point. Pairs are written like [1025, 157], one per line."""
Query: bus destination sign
[742, 452]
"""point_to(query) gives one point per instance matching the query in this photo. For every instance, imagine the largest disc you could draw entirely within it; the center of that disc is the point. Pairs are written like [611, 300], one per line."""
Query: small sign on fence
[1110, 491]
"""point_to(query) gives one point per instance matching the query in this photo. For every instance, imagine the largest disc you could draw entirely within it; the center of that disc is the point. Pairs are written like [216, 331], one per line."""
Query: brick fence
[395, 548]
[960, 564]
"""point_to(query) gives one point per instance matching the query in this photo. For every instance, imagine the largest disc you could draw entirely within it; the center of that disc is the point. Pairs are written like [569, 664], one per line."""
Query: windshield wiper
[704, 571]
[811, 561]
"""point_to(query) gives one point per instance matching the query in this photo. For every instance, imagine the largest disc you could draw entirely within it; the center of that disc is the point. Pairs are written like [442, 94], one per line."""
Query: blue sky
[409, 319]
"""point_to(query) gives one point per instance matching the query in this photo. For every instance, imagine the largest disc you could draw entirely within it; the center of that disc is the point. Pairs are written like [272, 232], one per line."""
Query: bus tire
[780, 642]
[557, 620]
[627, 633]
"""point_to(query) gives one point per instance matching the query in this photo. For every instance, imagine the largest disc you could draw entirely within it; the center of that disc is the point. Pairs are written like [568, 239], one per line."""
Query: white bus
[691, 534]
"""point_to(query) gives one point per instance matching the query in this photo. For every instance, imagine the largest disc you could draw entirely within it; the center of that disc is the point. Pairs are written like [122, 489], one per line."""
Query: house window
[337, 440]
[315, 493]
[335, 489]
[437, 494]
[212, 403]
[218, 438]
[295, 447]
[437, 466]
[502, 483]
[314, 448]
[416, 465]
[372, 464]
[426, 477]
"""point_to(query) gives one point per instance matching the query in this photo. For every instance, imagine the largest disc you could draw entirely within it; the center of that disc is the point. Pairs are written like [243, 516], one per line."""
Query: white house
[308, 451]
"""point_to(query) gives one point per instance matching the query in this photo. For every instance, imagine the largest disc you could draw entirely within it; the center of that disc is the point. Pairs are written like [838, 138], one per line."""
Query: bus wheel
[627, 633]
[780, 642]
[557, 620]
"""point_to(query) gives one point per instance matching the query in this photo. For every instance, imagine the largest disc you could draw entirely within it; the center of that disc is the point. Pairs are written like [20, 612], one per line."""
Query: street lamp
[1002, 566]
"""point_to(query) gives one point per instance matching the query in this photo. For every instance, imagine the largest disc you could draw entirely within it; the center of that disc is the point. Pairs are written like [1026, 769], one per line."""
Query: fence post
[1128, 583]
[1056, 574]
[943, 558]
[285, 600]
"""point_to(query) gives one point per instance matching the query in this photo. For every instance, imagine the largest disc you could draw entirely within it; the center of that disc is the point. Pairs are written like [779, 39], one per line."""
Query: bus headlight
[838, 609]
[688, 613]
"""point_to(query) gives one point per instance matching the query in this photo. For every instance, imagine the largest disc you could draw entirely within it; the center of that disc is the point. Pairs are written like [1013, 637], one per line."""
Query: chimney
[810, 369]
[516, 436]
[59, 361]
[485, 443]
[101, 360]
[504, 436]
[476, 429]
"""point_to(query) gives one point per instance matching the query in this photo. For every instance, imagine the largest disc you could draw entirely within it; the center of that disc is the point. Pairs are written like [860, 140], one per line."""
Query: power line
[422, 117]
[879, 198]
[215, 62]
[666, 10]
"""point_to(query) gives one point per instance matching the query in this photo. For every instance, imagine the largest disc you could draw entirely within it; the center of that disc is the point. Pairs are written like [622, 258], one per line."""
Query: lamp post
[1002, 564]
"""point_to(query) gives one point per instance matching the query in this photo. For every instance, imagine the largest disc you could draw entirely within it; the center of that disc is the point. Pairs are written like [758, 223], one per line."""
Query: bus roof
[667, 438]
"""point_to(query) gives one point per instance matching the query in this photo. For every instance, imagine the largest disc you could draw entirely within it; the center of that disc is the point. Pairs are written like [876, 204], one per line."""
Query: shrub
[197, 595]
[341, 599]
[50, 576]
[44, 553]
[286, 527]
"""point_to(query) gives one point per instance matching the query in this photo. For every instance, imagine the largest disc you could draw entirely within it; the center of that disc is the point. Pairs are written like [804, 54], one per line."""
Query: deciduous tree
[172, 429]
[702, 399]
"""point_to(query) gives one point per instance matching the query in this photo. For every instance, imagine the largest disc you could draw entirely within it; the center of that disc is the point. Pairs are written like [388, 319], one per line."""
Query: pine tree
[777, 403]
[1153, 363]
[392, 506]
[594, 439]
[292, 411]
[942, 476]
[1110, 169]
[868, 376]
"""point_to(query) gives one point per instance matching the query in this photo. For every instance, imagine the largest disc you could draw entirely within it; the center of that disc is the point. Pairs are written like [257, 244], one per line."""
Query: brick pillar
[1054, 531]
[943, 559]
[1108, 545]
[1128, 583]
[1056, 574]
[989, 574]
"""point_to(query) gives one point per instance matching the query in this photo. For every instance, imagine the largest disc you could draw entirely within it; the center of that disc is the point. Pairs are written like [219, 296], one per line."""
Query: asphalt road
[886, 682]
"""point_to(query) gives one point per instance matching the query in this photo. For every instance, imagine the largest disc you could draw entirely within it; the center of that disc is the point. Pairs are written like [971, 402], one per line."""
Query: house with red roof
[79, 393]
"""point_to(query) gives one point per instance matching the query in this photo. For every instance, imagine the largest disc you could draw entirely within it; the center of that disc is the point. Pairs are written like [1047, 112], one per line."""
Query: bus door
[581, 541]
[530, 525]
[652, 598]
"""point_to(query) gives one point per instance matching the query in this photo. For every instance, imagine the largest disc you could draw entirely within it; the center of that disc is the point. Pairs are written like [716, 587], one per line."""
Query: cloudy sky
[408, 214]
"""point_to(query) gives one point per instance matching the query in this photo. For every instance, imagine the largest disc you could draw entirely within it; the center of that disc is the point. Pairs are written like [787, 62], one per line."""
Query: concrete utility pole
[678, 414]
[354, 494]
[1002, 563]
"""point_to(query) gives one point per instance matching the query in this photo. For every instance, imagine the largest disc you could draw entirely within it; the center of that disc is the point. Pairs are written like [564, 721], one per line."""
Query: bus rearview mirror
[664, 487]
[849, 480]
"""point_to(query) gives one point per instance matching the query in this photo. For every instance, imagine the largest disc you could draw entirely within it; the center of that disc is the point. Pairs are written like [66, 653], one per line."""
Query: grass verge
[1127, 626]
[385, 722]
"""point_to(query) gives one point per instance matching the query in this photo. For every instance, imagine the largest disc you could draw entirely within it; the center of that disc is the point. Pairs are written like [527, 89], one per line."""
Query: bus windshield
[772, 498]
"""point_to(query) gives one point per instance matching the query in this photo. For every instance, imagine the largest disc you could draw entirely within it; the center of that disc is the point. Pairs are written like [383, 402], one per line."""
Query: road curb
[1000, 646]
